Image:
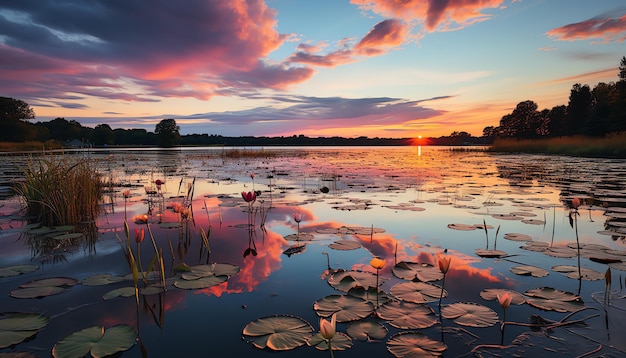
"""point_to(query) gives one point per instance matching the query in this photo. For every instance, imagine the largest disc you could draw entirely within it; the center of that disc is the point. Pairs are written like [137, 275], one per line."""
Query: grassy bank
[611, 146]
[29, 146]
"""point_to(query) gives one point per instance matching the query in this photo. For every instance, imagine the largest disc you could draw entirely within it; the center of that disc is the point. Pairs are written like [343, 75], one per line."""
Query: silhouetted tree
[103, 134]
[168, 133]
[580, 101]
[13, 127]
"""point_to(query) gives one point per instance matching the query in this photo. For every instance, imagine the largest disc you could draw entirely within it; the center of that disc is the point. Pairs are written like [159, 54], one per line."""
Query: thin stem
[330, 349]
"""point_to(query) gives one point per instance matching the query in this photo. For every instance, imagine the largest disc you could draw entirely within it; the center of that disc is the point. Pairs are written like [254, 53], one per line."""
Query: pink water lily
[505, 300]
[249, 197]
[328, 328]
[444, 263]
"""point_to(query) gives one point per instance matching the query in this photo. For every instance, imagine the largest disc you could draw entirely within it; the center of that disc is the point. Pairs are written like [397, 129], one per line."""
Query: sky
[349, 68]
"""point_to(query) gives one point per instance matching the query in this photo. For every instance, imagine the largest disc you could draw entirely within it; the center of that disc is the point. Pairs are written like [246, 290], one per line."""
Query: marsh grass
[247, 153]
[29, 146]
[613, 145]
[61, 190]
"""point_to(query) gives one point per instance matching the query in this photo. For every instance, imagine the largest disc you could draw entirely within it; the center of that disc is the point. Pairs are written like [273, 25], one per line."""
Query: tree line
[590, 112]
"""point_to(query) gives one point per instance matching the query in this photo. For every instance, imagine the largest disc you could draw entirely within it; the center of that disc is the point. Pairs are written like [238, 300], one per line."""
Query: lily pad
[346, 280]
[347, 308]
[203, 282]
[572, 272]
[17, 327]
[370, 295]
[367, 330]
[527, 270]
[517, 237]
[492, 294]
[279, 332]
[413, 345]
[36, 292]
[101, 279]
[490, 253]
[340, 342]
[417, 292]
[96, 341]
[470, 314]
[550, 299]
[119, 292]
[417, 271]
[17, 270]
[200, 271]
[407, 315]
[345, 245]
[53, 281]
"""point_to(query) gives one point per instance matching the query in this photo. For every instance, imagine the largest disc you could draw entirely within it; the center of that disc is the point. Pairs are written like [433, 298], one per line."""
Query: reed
[61, 190]
[613, 145]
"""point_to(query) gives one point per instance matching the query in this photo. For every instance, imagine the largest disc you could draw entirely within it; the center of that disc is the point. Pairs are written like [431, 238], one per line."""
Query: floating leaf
[345, 245]
[470, 314]
[413, 345]
[585, 273]
[407, 315]
[17, 270]
[101, 279]
[369, 295]
[68, 236]
[462, 227]
[53, 281]
[551, 299]
[490, 253]
[17, 327]
[279, 332]
[527, 270]
[203, 282]
[119, 292]
[97, 341]
[417, 271]
[36, 292]
[417, 292]
[492, 294]
[340, 342]
[346, 280]
[366, 330]
[200, 271]
[347, 308]
[517, 237]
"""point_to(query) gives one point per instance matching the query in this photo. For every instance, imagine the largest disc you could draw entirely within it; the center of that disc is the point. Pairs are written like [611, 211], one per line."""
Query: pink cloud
[435, 14]
[605, 29]
[388, 33]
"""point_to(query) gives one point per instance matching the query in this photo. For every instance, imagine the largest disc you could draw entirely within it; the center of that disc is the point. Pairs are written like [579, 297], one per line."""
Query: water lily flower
[328, 328]
[249, 197]
[140, 219]
[252, 176]
[297, 217]
[444, 263]
[505, 300]
[575, 203]
[378, 263]
[139, 235]
[126, 193]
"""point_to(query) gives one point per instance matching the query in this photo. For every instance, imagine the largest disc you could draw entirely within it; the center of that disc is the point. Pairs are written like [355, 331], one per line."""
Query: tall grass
[61, 190]
[613, 145]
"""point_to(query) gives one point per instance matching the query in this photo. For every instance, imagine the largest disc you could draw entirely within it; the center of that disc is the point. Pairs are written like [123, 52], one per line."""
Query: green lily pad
[36, 292]
[340, 342]
[492, 294]
[517, 237]
[550, 299]
[101, 279]
[585, 273]
[199, 283]
[366, 330]
[17, 270]
[370, 295]
[96, 341]
[119, 292]
[407, 315]
[279, 332]
[346, 280]
[52, 281]
[199, 271]
[345, 245]
[490, 253]
[414, 344]
[417, 271]
[347, 308]
[417, 292]
[17, 327]
[470, 314]
[527, 270]
[68, 236]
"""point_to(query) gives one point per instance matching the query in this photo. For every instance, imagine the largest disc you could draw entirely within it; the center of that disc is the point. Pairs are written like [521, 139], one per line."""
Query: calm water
[402, 204]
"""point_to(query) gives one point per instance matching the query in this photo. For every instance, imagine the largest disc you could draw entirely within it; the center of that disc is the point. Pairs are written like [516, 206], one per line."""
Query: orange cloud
[385, 34]
[436, 15]
[605, 29]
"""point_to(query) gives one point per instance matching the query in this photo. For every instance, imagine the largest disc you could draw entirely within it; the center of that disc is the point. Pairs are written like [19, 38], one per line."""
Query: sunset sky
[376, 68]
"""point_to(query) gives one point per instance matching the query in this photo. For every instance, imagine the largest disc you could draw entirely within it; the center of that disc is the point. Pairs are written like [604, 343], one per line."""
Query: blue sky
[376, 68]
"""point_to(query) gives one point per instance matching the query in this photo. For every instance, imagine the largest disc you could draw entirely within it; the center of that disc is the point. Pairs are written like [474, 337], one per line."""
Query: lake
[261, 278]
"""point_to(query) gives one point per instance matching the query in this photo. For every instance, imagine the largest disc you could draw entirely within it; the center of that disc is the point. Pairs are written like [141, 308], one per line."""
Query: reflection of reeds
[60, 190]
[611, 145]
